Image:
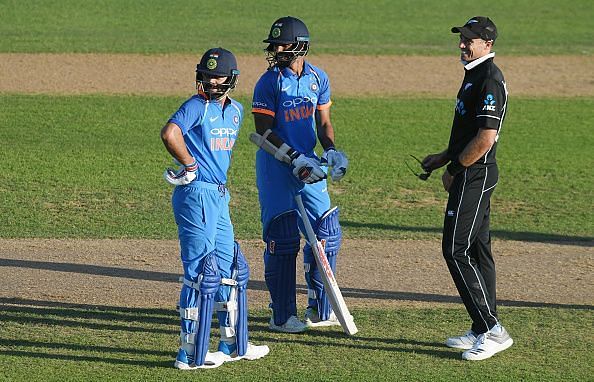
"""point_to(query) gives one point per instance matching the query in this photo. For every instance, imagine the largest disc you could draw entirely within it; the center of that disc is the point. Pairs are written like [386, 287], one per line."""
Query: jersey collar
[474, 63]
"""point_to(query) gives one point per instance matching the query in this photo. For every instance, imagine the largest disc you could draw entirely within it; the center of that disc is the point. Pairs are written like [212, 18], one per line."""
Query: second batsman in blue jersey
[200, 135]
[291, 108]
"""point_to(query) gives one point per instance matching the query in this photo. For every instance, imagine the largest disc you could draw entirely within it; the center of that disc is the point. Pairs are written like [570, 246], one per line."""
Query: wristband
[455, 167]
[192, 166]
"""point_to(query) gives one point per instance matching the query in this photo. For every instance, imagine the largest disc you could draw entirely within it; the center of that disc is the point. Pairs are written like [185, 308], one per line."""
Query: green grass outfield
[91, 166]
[337, 27]
[58, 342]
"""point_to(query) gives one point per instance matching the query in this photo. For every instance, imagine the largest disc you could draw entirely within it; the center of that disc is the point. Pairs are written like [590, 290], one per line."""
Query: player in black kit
[470, 178]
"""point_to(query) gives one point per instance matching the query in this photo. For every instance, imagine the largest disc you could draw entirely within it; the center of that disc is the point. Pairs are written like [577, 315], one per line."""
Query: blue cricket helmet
[284, 31]
[287, 30]
[217, 62]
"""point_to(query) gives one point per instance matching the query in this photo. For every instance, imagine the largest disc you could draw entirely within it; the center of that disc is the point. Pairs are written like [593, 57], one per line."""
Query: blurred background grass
[404, 27]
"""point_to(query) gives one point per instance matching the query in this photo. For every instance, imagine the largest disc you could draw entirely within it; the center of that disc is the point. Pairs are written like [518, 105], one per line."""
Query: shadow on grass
[17, 317]
[55, 315]
[337, 339]
[84, 348]
[535, 237]
[137, 274]
[77, 358]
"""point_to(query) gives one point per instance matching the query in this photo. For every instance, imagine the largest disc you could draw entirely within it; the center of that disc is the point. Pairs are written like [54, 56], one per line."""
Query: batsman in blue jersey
[291, 108]
[200, 136]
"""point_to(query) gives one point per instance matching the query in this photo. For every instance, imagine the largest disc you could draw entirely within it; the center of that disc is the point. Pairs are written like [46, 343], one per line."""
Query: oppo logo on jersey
[223, 142]
[299, 100]
[299, 108]
[259, 104]
[223, 131]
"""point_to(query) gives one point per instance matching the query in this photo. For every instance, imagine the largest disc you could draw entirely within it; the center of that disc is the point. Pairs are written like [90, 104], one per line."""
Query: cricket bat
[330, 285]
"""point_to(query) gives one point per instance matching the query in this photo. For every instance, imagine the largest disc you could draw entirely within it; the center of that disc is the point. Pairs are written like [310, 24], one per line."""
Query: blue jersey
[210, 131]
[292, 101]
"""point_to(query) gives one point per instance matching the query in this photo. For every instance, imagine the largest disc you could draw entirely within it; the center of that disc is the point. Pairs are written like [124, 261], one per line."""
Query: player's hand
[338, 161]
[185, 174]
[447, 179]
[307, 170]
[434, 161]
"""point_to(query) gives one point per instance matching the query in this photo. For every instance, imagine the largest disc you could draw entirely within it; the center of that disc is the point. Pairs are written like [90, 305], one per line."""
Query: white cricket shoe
[256, 351]
[184, 361]
[312, 319]
[488, 344]
[463, 342]
[293, 325]
[252, 353]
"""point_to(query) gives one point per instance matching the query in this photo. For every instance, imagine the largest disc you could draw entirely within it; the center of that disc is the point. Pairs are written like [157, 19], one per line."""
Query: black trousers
[466, 243]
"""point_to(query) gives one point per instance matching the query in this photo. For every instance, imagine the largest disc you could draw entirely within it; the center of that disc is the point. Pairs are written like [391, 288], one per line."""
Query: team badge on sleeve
[489, 103]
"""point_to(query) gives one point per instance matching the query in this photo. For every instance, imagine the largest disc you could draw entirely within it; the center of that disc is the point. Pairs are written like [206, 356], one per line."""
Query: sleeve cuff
[324, 106]
[263, 111]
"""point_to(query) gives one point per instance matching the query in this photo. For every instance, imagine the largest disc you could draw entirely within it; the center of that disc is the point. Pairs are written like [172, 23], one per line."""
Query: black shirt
[481, 103]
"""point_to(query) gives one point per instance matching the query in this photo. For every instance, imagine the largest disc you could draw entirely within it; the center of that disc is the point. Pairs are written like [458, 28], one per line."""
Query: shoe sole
[184, 366]
[483, 356]
[255, 357]
[311, 324]
[456, 346]
[246, 357]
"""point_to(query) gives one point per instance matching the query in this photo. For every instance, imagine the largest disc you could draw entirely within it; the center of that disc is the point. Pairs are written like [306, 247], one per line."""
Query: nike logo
[212, 119]
[285, 89]
[467, 86]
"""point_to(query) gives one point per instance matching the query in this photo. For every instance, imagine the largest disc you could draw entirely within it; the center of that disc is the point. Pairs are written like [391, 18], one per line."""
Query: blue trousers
[201, 213]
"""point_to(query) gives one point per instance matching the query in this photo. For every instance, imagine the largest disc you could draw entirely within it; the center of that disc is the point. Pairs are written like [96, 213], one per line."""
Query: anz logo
[489, 103]
[460, 107]
[299, 108]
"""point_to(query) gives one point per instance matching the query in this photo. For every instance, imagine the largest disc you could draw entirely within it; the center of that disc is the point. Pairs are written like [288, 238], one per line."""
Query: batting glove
[306, 169]
[337, 160]
[185, 174]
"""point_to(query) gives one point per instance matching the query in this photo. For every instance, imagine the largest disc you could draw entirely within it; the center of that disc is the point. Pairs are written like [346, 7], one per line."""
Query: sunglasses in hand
[423, 176]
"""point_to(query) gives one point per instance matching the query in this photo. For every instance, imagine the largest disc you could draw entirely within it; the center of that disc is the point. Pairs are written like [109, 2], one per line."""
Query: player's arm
[474, 150]
[305, 169]
[333, 158]
[477, 147]
[264, 124]
[324, 128]
[173, 139]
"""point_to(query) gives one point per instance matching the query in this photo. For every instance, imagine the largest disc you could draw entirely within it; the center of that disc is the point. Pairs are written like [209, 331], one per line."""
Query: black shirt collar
[474, 63]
